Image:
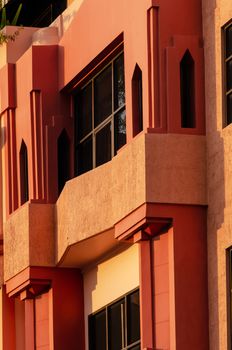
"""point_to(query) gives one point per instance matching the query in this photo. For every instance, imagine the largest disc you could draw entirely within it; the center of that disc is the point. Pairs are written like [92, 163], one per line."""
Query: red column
[146, 299]
[190, 271]
[173, 281]
[8, 321]
[29, 325]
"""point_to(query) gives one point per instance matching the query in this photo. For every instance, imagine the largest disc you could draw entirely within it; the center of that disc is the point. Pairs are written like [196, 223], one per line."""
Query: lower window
[116, 326]
[229, 296]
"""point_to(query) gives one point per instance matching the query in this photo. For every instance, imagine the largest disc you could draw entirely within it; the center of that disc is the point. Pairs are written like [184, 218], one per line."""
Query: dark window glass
[122, 324]
[187, 91]
[85, 156]
[119, 84]
[24, 173]
[229, 296]
[115, 317]
[103, 96]
[137, 100]
[97, 327]
[229, 108]
[133, 317]
[83, 107]
[100, 123]
[229, 41]
[103, 145]
[63, 160]
[120, 129]
[229, 75]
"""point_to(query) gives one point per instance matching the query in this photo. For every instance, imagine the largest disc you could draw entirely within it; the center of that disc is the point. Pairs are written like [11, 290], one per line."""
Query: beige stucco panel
[29, 238]
[176, 169]
[109, 280]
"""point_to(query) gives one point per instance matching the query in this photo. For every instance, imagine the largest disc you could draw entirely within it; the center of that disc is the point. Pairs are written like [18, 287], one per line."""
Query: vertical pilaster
[8, 321]
[29, 324]
[37, 137]
[146, 299]
[190, 275]
[12, 162]
[153, 67]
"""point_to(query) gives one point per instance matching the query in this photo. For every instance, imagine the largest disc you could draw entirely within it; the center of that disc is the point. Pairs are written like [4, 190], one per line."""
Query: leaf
[3, 20]
[15, 19]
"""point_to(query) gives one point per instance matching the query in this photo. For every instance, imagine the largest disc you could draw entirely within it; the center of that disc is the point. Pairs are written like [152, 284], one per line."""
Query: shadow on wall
[3, 137]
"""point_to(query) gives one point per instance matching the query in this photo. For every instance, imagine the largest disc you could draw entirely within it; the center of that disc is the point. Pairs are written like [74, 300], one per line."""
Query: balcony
[154, 168]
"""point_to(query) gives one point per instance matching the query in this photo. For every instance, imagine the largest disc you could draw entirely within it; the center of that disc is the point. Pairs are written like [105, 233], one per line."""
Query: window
[229, 295]
[117, 326]
[228, 73]
[137, 100]
[100, 119]
[23, 173]
[187, 91]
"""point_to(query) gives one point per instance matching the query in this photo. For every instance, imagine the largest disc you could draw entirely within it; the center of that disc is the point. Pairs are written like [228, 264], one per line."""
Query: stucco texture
[152, 168]
[29, 238]
[219, 160]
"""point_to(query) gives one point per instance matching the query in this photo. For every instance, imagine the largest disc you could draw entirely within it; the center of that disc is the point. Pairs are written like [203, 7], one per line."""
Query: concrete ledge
[154, 168]
[29, 238]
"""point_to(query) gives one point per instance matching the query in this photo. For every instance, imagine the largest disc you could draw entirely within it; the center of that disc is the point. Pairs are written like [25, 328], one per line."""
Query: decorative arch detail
[24, 190]
[187, 90]
[137, 100]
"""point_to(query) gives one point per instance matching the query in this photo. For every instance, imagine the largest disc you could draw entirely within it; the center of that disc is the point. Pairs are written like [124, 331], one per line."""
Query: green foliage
[4, 38]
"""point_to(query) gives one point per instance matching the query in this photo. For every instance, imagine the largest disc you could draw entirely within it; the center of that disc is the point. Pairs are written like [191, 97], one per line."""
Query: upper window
[228, 73]
[100, 119]
[117, 326]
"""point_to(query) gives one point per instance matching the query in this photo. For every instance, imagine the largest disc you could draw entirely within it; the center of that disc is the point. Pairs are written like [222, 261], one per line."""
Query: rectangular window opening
[227, 76]
[100, 119]
[229, 295]
[117, 325]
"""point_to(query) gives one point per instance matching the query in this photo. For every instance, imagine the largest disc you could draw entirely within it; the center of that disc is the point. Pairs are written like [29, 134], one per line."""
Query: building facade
[217, 35]
[107, 169]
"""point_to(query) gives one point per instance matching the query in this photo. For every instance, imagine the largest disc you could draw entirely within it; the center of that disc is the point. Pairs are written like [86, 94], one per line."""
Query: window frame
[124, 297]
[109, 120]
[225, 92]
